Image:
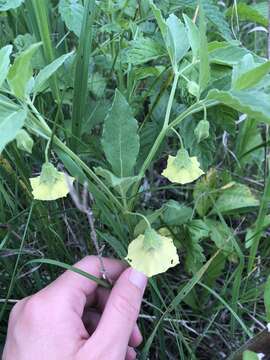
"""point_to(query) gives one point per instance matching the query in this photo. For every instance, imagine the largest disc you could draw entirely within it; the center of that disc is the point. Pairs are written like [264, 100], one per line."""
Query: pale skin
[74, 319]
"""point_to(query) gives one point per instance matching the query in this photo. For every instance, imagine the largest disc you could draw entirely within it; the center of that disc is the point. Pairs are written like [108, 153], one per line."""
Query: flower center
[152, 240]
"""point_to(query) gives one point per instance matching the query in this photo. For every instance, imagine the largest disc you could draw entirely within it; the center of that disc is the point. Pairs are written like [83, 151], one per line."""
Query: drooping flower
[152, 253]
[182, 168]
[51, 184]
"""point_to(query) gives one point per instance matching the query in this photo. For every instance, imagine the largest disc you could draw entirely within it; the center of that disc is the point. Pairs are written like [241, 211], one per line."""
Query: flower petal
[50, 190]
[154, 261]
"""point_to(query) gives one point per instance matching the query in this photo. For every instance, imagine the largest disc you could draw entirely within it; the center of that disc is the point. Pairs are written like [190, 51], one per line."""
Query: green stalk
[44, 34]
[82, 72]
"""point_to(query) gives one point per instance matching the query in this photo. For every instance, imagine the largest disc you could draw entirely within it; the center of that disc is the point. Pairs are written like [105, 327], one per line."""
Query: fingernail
[138, 279]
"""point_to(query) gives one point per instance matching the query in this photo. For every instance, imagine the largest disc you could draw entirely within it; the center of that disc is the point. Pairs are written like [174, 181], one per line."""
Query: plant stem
[170, 102]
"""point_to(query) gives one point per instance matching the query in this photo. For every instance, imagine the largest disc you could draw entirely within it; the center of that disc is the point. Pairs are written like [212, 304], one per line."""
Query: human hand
[59, 322]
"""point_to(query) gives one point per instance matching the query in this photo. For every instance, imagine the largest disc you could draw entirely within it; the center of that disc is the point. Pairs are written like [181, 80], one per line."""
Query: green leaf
[252, 102]
[193, 36]
[217, 18]
[71, 12]
[176, 213]
[174, 35]
[250, 355]
[195, 257]
[221, 235]
[120, 140]
[48, 71]
[235, 198]
[11, 121]
[142, 50]
[203, 53]
[21, 71]
[121, 185]
[10, 4]
[202, 190]
[249, 13]
[251, 77]
[177, 40]
[4, 62]
[224, 53]
[267, 299]
[24, 141]
[160, 20]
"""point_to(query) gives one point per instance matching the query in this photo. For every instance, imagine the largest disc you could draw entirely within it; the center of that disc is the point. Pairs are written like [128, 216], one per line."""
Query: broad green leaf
[71, 12]
[253, 103]
[250, 355]
[243, 66]
[21, 71]
[198, 229]
[267, 299]
[143, 50]
[250, 13]
[202, 190]
[121, 185]
[160, 20]
[48, 71]
[228, 54]
[203, 52]
[176, 213]
[4, 62]
[235, 198]
[174, 35]
[254, 74]
[120, 140]
[216, 16]
[11, 121]
[193, 36]
[195, 257]
[177, 40]
[10, 4]
[221, 235]
[24, 141]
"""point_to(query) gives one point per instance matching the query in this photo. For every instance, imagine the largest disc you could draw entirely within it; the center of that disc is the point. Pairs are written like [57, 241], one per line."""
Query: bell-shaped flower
[182, 168]
[51, 184]
[152, 253]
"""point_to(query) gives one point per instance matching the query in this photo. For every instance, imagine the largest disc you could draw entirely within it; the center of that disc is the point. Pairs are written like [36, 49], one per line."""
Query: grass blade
[82, 71]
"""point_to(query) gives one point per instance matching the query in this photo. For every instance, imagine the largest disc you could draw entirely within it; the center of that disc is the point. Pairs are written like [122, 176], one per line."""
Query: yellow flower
[182, 168]
[152, 253]
[50, 185]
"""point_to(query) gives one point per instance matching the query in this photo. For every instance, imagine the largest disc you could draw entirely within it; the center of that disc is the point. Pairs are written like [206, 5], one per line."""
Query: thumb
[122, 310]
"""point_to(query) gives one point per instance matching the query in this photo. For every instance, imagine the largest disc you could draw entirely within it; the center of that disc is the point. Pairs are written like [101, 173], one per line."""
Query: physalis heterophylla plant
[51, 184]
[152, 253]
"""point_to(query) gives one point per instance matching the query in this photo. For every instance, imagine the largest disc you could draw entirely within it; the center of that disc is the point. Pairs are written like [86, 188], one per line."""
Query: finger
[74, 289]
[91, 319]
[102, 296]
[131, 354]
[122, 309]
